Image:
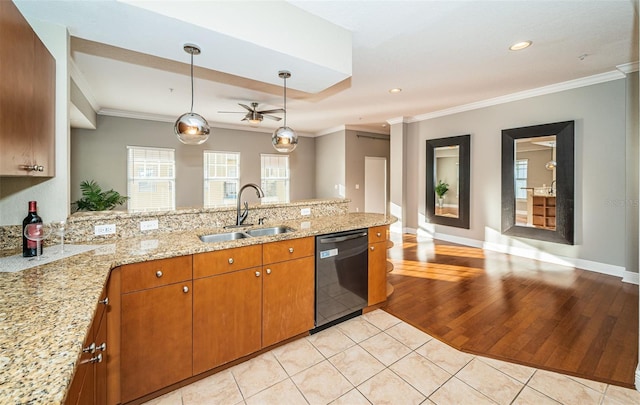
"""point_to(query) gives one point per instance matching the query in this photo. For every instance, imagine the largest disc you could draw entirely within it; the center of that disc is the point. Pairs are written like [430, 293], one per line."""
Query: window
[221, 178]
[275, 178]
[521, 178]
[151, 179]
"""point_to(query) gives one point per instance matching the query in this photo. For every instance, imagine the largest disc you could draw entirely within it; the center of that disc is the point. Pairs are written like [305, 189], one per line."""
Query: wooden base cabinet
[227, 320]
[156, 325]
[377, 264]
[288, 290]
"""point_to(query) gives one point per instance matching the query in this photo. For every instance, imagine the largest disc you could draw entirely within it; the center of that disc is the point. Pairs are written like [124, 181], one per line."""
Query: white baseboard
[537, 254]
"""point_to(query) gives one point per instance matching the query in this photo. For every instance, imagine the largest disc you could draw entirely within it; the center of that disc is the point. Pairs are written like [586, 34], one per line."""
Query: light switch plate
[108, 229]
[148, 225]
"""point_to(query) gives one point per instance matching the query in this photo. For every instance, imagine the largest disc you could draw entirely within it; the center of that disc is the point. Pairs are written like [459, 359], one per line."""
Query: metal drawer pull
[268, 271]
[32, 168]
[290, 250]
[231, 260]
[378, 234]
[158, 273]
[372, 248]
[97, 359]
[102, 347]
[105, 301]
[89, 349]
[185, 289]
[257, 274]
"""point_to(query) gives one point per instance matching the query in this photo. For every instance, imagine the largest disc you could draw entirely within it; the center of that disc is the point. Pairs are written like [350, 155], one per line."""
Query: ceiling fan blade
[245, 107]
[271, 117]
[231, 112]
[277, 110]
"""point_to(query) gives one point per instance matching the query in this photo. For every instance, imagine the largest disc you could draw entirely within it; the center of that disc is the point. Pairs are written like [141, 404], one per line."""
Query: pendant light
[191, 128]
[284, 139]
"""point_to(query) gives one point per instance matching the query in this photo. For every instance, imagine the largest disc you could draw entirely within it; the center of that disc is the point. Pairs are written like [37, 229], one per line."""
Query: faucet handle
[261, 220]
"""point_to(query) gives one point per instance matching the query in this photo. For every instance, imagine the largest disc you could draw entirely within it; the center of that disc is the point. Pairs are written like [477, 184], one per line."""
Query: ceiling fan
[253, 115]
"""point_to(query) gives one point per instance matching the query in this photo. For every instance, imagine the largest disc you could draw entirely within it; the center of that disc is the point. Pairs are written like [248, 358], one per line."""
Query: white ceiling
[443, 54]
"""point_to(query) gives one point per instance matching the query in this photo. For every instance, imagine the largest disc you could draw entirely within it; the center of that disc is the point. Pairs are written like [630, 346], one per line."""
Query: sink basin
[274, 230]
[221, 237]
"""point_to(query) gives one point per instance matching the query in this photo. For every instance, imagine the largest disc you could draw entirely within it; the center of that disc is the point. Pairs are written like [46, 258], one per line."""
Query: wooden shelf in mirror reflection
[541, 212]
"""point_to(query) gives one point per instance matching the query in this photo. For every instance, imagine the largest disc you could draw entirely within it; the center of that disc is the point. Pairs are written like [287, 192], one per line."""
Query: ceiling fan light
[192, 129]
[284, 139]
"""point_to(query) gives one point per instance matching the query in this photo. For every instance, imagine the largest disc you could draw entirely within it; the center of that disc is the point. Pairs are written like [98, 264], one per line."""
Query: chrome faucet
[240, 217]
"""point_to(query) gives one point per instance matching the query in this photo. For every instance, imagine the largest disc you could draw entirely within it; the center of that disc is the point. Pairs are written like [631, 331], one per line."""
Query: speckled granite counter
[46, 311]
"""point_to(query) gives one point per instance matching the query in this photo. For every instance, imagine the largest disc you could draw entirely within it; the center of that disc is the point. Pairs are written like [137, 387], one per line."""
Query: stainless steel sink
[274, 230]
[221, 237]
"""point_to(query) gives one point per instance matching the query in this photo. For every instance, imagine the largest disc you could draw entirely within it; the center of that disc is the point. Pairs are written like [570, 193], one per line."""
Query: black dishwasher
[342, 280]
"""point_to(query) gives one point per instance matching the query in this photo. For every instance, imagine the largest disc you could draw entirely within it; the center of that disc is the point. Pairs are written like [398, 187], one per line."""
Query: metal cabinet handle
[378, 234]
[89, 349]
[257, 274]
[268, 271]
[102, 347]
[185, 289]
[372, 248]
[32, 168]
[105, 301]
[158, 273]
[290, 250]
[231, 260]
[97, 359]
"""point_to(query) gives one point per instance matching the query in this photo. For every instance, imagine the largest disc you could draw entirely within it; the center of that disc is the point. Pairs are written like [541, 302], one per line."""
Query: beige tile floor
[379, 359]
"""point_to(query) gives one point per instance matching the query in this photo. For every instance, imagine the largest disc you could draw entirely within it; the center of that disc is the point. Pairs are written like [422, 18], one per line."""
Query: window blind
[221, 178]
[150, 179]
[275, 178]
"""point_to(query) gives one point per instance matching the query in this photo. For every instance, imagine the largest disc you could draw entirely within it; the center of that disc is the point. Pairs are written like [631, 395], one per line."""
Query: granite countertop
[46, 311]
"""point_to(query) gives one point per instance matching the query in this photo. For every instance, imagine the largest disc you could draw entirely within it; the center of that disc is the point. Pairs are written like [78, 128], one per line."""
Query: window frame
[287, 178]
[225, 179]
[153, 181]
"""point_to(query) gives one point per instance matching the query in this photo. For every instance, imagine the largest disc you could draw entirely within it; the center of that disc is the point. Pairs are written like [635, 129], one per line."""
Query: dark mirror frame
[564, 132]
[464, 170]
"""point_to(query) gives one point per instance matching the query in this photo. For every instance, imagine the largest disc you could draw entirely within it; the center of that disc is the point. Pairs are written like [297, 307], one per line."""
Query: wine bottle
[29, 246]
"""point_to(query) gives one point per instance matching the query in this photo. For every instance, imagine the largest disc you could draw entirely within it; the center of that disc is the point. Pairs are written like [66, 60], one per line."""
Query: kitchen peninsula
[47, 311]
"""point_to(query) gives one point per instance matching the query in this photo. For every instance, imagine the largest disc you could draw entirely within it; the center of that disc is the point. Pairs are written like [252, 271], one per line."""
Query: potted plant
[441, 189]
[95, 199]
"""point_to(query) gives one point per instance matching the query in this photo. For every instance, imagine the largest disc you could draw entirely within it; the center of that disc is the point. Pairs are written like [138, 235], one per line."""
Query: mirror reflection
[535, 182]
[447, 189]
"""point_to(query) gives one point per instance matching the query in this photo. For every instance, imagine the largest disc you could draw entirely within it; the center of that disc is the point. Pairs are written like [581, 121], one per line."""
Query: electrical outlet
[148, 225]
[108, 229]
[305, 211]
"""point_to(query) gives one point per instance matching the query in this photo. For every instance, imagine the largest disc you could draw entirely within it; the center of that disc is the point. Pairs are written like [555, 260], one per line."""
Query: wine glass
[59, 228]
[37, 233]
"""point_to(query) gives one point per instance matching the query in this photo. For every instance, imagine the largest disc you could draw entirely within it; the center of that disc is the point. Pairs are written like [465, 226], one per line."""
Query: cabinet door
[16, 87]
[156, 339]
[43, 111]
[288, 299]
[226, 318]
[101, 367]
[377, 272]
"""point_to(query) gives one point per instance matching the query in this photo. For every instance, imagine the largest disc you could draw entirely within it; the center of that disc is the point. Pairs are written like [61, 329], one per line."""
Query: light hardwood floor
[537, 314]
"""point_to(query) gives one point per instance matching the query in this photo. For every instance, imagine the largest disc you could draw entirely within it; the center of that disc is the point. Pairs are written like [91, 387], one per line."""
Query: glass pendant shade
[550, 165]
[284, 139]
[192, 129]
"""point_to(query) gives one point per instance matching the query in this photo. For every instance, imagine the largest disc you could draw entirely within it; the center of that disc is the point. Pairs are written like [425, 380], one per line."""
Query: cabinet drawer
[287, 249]
[155, 273]
[378, 233]
[227, 260]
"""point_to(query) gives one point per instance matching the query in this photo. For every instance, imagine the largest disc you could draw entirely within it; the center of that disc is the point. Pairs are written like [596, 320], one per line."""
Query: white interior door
[375, 184]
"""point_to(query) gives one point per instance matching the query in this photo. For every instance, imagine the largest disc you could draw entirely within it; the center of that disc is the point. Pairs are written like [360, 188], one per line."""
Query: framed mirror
[447, 188]
[537, 182]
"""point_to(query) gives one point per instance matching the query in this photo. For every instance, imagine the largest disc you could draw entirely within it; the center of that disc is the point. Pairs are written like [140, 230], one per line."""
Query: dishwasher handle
[343, 238]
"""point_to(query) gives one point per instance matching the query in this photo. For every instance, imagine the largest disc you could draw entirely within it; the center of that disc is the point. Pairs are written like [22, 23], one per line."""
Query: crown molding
[540, 91]
[165, 118]
[399, 120]
[628, 68]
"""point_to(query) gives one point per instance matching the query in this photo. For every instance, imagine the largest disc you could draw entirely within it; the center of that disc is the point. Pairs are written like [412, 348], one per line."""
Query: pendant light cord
[191, 81]
[285, 101]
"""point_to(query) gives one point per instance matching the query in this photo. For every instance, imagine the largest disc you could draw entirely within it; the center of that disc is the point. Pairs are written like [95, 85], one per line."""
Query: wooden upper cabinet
[27, 98]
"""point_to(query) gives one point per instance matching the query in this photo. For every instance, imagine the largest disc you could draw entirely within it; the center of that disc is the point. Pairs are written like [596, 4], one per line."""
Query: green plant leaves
[95, 199]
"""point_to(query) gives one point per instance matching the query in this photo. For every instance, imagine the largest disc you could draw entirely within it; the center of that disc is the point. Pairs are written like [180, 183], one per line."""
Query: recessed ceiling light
[520, 45]
[395, 90]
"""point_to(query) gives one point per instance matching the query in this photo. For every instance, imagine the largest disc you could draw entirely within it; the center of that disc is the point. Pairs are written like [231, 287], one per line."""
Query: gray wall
[101, 155]
[357, 148]
[330, 165]
[599, 112]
